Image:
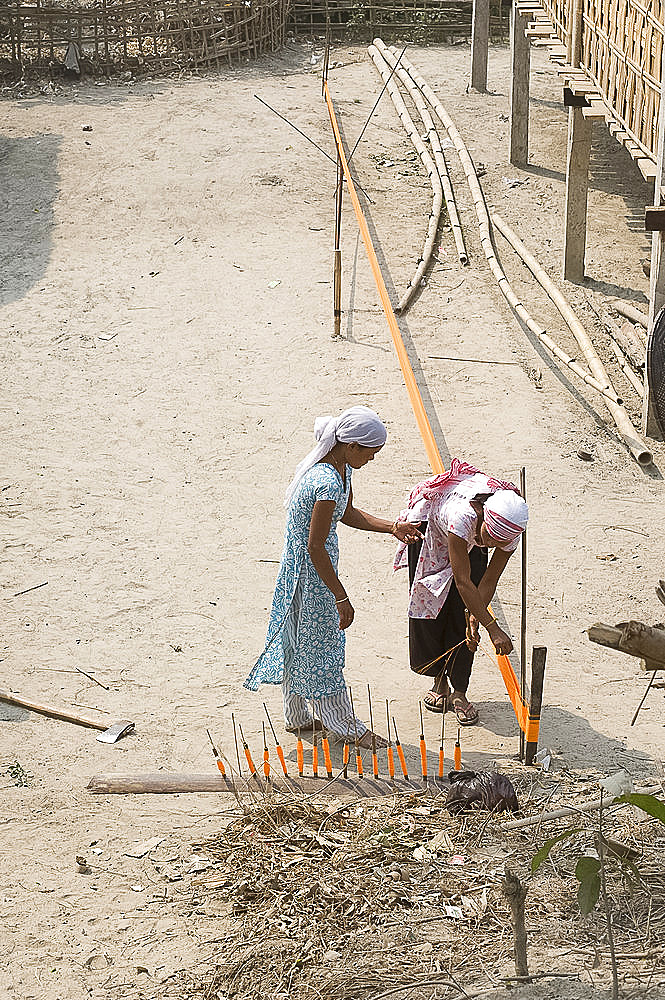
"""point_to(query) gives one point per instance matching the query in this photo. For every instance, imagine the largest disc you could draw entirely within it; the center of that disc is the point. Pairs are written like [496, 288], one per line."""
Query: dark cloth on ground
[430, 638]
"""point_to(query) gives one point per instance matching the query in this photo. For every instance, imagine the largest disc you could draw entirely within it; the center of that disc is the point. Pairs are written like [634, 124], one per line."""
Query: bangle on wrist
[394, 527]
[341, 601]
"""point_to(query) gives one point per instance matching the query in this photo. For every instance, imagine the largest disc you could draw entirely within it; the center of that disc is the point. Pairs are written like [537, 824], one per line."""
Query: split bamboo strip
[634, 442]
[484, 225]
[418, 278]
[624, 364]
[420, 413]
[528, 725]
[440, 160]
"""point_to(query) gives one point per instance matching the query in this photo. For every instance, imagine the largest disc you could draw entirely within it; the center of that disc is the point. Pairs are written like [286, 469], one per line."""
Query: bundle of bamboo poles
[596, 376]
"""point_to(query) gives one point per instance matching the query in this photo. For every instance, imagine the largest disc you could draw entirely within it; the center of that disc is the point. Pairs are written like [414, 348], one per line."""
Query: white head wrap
[359, 425]
[506, 515]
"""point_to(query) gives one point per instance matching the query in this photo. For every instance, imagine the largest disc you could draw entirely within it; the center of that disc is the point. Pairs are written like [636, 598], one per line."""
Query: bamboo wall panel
[622, 51]
[142, 35]
[410, 20]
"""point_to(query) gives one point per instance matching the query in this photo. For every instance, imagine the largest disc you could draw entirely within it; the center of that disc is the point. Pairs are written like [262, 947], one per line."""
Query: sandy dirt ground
[166, 345]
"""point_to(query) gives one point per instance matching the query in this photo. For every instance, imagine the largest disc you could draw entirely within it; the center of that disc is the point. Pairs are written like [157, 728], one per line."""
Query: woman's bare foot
[365, 741]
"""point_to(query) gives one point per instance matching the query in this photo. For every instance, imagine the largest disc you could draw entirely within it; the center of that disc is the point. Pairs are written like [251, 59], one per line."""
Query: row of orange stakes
[325, 746]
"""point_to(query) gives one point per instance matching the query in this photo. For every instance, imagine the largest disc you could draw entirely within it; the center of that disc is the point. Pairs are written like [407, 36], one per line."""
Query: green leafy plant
[590, 870]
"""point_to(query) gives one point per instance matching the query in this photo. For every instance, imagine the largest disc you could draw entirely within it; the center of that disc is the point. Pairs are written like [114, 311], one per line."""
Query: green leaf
[543, 853]
[647, 803]
[587, 874]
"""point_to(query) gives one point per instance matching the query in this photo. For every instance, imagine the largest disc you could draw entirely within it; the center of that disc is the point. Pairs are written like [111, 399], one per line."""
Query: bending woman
[462, 514]
[304, 649]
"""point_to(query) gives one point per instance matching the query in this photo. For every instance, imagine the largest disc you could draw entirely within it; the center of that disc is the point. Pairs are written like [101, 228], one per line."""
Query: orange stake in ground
[300, 755]
[248, 756]
[220, 762]
[400, 752]
[375, 759]
[280, 752]
[423, 746]
[266, 755]
[389, 748]
[442, 747]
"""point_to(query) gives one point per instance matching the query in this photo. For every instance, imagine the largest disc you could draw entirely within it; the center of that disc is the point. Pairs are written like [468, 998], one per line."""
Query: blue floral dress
[304, 638]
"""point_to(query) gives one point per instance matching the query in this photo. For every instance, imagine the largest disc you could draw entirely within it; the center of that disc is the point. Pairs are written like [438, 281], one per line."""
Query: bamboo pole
[629, 311]
[484, 226]
[630, 435]
[432, 172]
[592, 806]
[439, 159]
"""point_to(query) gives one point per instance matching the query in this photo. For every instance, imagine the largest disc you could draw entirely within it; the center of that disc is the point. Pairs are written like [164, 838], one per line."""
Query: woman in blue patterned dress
[304, 649]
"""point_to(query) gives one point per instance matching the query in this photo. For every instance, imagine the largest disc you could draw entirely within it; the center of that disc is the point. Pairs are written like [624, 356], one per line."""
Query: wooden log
[165, 783]
[52, 713]
[520, 64]
[634, 638]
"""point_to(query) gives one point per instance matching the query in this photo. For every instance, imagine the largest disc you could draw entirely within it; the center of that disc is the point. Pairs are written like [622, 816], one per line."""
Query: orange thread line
[424, 426]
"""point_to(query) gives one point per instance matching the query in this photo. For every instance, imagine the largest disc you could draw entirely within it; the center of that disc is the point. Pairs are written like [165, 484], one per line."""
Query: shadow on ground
[28, 186]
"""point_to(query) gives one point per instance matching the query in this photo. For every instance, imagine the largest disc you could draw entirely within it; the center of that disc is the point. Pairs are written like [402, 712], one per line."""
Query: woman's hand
[345, 612]
[502, 642]
[406, 532]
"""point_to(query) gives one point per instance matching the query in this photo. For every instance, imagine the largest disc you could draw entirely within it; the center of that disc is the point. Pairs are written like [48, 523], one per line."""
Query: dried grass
[352, 900]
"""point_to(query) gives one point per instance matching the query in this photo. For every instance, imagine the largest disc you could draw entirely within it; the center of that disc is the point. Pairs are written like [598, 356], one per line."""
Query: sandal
[434, 702]
[466, 715]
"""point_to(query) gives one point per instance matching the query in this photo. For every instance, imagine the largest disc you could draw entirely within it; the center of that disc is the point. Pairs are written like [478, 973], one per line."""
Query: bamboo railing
[622, 50]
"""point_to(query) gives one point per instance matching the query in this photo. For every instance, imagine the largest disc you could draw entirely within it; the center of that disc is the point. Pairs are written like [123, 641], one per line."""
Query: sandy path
[143, 474]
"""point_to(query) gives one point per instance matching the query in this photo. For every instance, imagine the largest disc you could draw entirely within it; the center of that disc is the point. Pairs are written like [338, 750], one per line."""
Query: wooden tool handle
[53, 713]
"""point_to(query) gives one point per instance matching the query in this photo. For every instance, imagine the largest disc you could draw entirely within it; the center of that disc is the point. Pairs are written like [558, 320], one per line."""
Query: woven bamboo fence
[410, 20]
[152, 36]
[622, 50]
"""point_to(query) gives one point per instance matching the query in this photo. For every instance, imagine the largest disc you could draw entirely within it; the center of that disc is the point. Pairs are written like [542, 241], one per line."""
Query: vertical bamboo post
[657, 278]
[480, 27]
[538, 658]
[523, 621]
[337, 279]
[520, 65]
